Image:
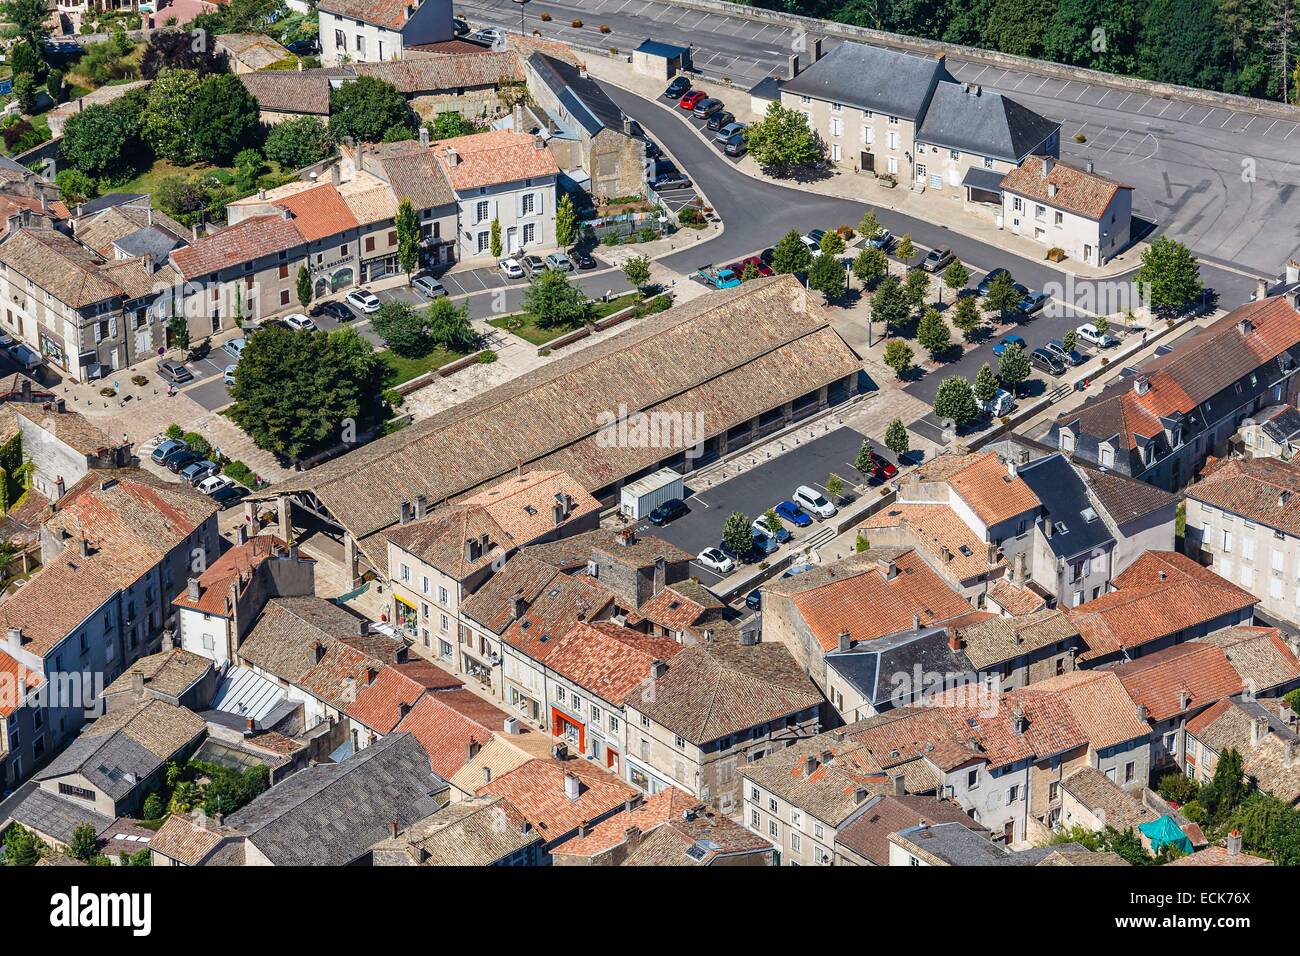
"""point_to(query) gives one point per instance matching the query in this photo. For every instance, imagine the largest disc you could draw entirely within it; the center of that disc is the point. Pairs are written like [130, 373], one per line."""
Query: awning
[988, 180]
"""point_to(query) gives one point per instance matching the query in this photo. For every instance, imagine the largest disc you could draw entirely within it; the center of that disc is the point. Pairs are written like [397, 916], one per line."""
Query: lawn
[148, 181]
[531, 332]
[404, 369]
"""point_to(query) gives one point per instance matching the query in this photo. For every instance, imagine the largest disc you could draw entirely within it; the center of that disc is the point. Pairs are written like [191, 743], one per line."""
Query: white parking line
[1063, 89]
[1212, 111]
[1186, 111]
[1123, 101]
[1167, 105]
[1227, 121]
[761, 31]
[1044, 83]
[1081, 92]
[1288, 135]
[979, 74]
[1022, 79]
[1270, 127]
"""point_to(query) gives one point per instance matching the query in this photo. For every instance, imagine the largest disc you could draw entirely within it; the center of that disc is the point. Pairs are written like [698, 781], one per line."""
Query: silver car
[559, 262]
[429, 287]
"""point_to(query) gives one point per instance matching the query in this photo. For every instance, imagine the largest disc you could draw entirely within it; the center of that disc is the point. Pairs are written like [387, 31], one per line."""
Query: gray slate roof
[984, 123]
[588, 104]
[870, 666]
[872, 78]
[42, 811]
[1065, 497]
[331, 814]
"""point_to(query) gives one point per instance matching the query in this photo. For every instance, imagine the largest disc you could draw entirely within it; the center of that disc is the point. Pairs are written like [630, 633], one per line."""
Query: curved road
[757, 213]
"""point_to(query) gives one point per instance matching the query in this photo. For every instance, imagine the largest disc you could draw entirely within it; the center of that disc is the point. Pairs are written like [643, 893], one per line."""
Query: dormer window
[1067, 440]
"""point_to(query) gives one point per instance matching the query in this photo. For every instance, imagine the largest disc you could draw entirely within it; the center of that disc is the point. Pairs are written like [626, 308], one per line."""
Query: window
[404, 572]
[868, 135]
[1017, 204]
[837, 126]
[81, 793]
[481, 210]
[795, 843]
[530, 233]
[972, 779]
[835, 152]
[892, 165]
[370, 243]
[1058, 218]
[645, 721]
[1130, 771]
[754, 819]
[772, 828]
[1040, 212]
[1013, 793]
[442, 595]
[340, 42]
[528, 204]
[893, 140]
[284, 296]
[1227, 541]
[920, 172]
[818, 831]
[595, 714]
[893, 121]
[1247, 548]
[361, 45]
[771, 804]
[954, 155]
[559, 693]
[613, 724]
[1247, 576]
[678, 742]
[483, 241]
[837, 108]
[988, 162]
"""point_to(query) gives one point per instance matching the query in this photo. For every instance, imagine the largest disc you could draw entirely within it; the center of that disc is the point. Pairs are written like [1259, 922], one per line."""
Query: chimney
[1258, 730]
[658, 669]
[1234, 842]
[168, 641]
[1051, 190]
[1292, 271]
[557, 513]
[137, 683]
[392, 824]
[60, 488]
[510, 726]
[1162, 574]
[1019, 723]
[372, 675]
[572, 786]
[406, 512]
[1261, 289]
[816, 49]
[403, 708]
[453, 157]
[1184, 699]
[421, 506]
[809, 765]
[888, 569]
[424, 136]
[471, 750]
[363, 627]
[1245, 327]
[520, 607]
[916, 622]
[487, 775]
[749, 636]
[319, 651]
[84, 547]
[897, 780]
[560, 752]
[954, 640]
[1290, 753]
[471, 549]
[335, 175]
[261, 194]
[845, 642]
[193, 591]
[860, 795]
[1088, 166]
[1141, 384]
[250, 726]
[945, 553]
[241, 534]
[793, 69]
[1143, 714]
[1048, 162]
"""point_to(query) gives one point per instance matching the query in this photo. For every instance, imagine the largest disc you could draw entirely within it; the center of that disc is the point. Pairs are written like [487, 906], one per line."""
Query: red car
[763, 268]
[691, 100]
[882, 470]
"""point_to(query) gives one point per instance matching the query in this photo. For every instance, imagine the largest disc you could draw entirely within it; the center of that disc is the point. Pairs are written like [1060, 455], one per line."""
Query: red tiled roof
[389, 14]
[608, 661]
[319, 212]
[1077, 191]
[236, 245]
[537, 789]
[1161, 593]
[992, 492]
[1157, 681]
[448, 723]
[215, 582]
[379, 706]
[501, 156]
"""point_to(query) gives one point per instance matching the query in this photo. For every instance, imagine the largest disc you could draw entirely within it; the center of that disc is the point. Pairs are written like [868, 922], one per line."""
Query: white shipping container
[646, 494]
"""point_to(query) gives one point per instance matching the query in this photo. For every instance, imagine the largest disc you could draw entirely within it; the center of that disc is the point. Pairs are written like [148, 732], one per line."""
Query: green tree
[1070, 339]
[898, 356]
[449, 125]
[834, 486]
[22, 846]
[402, 327]
[1224, 793]
[896, 438]
[494, 239]
[566, 222]
[955, 400]
[297, 394]
[54, 86]
[862, 460]
[737, 535]
[366, 108]
[916, 287]
[28, 20]
[826, 275]
[890, 304]
[449, 325]
[1013, 368]
[407, 225]
[771, 521]
[168, 128]
[304, 286]
[1127, 845]
[986, 384]
[966, 315]
[956, 275]
[1101, 324]
[782, 142]
[224, 118]
[1002, 297]
[75, 187]
[180, 334]
[637, 270]
[83, 845]
[1017, 26]
[869, 226]
[832, 243]
[1169, 275]
[181, 50]
[905, 249]
[791, 254]
[555, 301]
[933, 334]
[153, 806]
[870, 266]
[295, 143]
[25, 93]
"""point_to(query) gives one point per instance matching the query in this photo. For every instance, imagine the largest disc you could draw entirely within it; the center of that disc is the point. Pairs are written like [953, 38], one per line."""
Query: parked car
[937, 259]
[429, 287]
[715, 560]
[490, 35]
[881, 469]
[196, 471]
[677, 88]
[559, 262]
[757, 262]
[1032, 302]
[692, 100]
[791, 512]
[1102, 340]
[810, 499]
[166, 449]
[719, 119]
[1045, 361]
[670, 510]
[813, 240]
[533, 265]
[334, 309]
[1072, 357]
[582, 260]
[987, 282]
[229, 496]
[1006, 343]
[754, 600]
[307, 46]
[300, 322]
[180, 459]
[758, 548]
[669, 181]
[781, 533]
[882, 240]
[735, 145]
[510, 268]
[763, 544]
[363, 300]
[652, 150]
[213, 483]
[29, 359]
[728, 130]
[228, 376]
[1000, 404]
[459, 26]
[175, 372]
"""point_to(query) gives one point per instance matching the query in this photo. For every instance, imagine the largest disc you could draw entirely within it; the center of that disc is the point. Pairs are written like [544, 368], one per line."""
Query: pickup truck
[716, 278]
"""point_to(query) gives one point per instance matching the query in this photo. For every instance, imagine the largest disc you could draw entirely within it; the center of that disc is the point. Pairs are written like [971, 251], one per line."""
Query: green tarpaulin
[1165, 832]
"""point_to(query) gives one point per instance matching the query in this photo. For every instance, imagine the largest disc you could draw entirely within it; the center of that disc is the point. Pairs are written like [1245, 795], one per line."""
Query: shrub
[1177, 787]
[240, 473]
[1080, 138]
[394, 398]
[153, 807]
[108, 391]
[139, 380]
[576, 24]
[198, 444]
[174, 431]
[604, 28]
[545, 18]
[487, 357]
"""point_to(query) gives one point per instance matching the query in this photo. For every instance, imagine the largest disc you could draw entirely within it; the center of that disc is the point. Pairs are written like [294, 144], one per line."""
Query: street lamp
[521, 3]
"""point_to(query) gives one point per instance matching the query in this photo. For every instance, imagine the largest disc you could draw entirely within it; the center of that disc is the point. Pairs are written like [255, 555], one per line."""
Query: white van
[1000, 404]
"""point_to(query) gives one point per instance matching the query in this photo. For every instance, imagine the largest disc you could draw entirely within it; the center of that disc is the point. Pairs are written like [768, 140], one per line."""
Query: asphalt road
[756, 213]
[1223, 182]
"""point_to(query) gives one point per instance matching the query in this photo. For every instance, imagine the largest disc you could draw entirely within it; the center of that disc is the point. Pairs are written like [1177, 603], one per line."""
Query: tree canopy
[1169, 275]
[782, 142]
[366, 109]
[298, 142]
[555, 301]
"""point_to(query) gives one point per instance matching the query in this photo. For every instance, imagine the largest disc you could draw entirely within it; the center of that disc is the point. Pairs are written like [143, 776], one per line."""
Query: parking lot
[764, 484]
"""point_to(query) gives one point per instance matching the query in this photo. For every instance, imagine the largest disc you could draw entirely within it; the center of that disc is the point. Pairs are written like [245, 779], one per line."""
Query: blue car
[791, 512]
[1009, 341]
[754, 600]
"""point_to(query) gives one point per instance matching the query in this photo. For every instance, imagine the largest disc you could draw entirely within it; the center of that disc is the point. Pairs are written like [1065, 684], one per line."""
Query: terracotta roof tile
[1099, 704]
[1077, 191]
[942, 534]
[986, 485]
[1258, 654]
[1158, 680]
[238, 244]
[486, 159]
[448, 724]
[221, 574]
[538, 789]
[608, 661]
